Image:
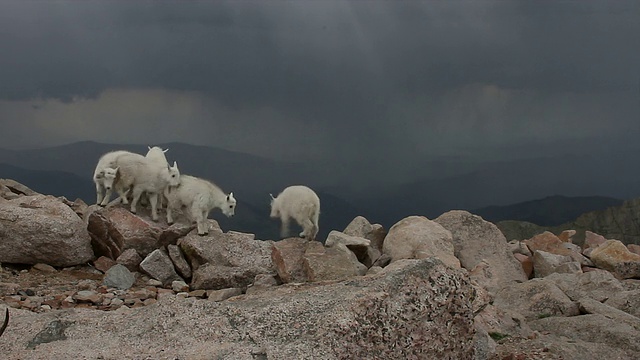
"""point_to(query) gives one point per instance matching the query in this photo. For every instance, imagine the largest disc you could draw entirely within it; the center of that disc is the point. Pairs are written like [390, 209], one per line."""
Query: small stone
[179, 286]
[148, 302]
[44, 268]
[183, 294]
[104, 263]
[154, 282]
[45, 307]
[130, 258]
[223, 294]
[87, 284]
[116, 302]
[197, 293]
[88, 296]
[119, 277]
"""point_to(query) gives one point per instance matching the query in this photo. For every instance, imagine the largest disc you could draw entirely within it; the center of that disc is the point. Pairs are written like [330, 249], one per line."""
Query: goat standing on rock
[199, 196]
[300, 203]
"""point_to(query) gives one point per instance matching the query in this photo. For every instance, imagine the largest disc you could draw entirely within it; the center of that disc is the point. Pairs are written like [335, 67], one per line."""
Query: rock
[598, 285]
[105, 239]
[136, 232]
[223, 294]
[332, 263]
[159, 266]
[288, 258]
[526, 262]
[476, 240]
[179, 286]
[566, 235]
[595, 336]
[215, 277]
[44, 268]
[88, 296]
[263, 282]
[198, 293]
[130, 259]
[232, 259]
[361, 247]
[179, 262]
[614, 256]
[634, 248]
[627, 301]
[360, 227]
[417, 237]
[154, 282]
[173, 233]
[545, 263]
[592, 240]
[518, 247]
[550, 243]
[12, 189]
[536, 298]
[590, 306]
[104, 263]
[119, 277]
[572, 267]
[41, 229]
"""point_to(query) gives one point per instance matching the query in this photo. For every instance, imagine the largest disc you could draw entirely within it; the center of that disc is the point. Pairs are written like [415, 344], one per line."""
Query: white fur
[105, 175]
[144, 175]
[157, 154]
[199, 196]
[300, 203]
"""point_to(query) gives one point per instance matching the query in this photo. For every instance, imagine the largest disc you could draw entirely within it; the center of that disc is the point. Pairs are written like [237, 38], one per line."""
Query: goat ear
[175, 164]
[230, 195]
[148, 147]
[272, 198]
[165, 150]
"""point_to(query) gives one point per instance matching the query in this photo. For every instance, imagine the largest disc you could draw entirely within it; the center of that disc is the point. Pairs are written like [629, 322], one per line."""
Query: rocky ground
[42, 289]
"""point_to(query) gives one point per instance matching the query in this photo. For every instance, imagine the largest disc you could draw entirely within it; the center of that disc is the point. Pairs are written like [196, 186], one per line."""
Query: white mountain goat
[300, 203]
[157, 154]
[144, 175]
[105, 175]
[106, 171]
[199, 196]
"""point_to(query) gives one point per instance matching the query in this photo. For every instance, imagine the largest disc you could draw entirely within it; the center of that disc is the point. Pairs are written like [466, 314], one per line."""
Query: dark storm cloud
[314, 55]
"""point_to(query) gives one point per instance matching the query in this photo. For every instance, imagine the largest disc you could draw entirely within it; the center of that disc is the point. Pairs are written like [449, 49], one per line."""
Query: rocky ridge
[447, 288]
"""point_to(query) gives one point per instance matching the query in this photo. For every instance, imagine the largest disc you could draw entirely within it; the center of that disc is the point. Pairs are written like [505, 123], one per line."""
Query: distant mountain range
[497, 190]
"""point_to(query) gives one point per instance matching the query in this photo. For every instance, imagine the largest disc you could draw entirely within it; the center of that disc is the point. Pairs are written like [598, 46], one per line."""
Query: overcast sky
[326, 79]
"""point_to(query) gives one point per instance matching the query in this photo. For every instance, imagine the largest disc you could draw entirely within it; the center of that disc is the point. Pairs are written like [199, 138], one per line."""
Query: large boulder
[614, 256]
[42, 229]
[288, 258]
[417, 237]
[413, 309]
[331, 263]
[536, 299]
[238, 257]
[126, 230]
[476, 240]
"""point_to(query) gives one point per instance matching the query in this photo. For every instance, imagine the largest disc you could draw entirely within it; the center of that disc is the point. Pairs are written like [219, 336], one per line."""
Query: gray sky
[322, 79]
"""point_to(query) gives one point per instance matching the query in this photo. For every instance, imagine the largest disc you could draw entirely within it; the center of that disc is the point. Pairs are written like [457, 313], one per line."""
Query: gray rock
[536, 298]
[331, 263]
[130, 258]
[366, 253]
[158, 265]
[42, 229]
[119, 277]
[598, 285]
[179, 261]
[476, 240]
[417, 237]
[223, 294]
[627, 301]
[545, 263]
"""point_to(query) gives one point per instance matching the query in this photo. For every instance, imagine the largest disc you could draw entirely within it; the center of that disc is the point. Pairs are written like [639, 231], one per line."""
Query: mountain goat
[144, 175]
[199, 196]
[157, 154]
[105, 175]
[300, 203]
[106, 171]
